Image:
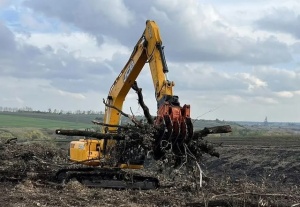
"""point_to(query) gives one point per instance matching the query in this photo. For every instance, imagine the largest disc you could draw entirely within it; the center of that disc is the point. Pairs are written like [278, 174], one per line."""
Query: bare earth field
[250, 172]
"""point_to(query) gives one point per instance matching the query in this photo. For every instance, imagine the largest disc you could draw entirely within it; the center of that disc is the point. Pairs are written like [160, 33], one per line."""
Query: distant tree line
[50, 110]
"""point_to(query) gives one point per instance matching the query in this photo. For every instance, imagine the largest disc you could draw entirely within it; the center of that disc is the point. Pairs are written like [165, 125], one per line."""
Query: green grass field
[19, 121]
[52, 121]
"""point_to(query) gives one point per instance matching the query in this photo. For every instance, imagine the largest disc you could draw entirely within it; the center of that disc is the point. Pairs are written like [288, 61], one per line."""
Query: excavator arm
[147, 50]
[174, 120]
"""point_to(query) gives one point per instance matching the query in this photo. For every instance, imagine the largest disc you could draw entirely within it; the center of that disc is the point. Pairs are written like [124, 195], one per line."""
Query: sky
[230, 60]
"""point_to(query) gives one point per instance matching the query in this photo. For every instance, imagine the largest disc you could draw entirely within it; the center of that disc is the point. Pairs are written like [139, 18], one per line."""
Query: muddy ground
[250, 172]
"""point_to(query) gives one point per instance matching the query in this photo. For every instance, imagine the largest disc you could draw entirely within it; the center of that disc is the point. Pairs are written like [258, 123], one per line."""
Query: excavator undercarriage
[107, 178]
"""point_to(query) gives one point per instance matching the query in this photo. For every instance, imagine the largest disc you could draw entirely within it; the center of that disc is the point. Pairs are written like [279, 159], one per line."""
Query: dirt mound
[34, 160]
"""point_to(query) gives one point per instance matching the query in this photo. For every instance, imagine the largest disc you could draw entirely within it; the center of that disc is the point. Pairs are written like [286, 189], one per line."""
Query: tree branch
[92, 134]
[124, 114]
[142, 103]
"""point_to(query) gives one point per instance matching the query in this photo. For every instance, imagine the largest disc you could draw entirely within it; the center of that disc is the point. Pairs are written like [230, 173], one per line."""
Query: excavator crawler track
[107, 178]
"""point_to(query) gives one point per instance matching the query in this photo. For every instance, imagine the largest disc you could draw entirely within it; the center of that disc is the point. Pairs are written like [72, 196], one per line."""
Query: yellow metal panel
[85, 150]
[77, 151]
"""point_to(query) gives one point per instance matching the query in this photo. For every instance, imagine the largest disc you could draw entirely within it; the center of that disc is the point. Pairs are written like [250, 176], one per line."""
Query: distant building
[266, 121]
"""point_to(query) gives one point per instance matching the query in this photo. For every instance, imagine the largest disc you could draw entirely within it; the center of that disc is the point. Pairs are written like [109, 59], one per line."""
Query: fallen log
[91, 134]
[212, 130]
[98, 135]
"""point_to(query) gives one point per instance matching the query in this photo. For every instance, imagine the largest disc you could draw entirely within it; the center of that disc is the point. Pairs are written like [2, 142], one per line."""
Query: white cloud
[281, 19]
[205, 35]
[264, 100]
[78, 43]
[252, 81]
[284, 94]
[71, 95]
[234, 99]
[113, 10]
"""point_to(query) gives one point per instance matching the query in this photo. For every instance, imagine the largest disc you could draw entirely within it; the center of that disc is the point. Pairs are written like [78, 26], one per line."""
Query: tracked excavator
[172, 125]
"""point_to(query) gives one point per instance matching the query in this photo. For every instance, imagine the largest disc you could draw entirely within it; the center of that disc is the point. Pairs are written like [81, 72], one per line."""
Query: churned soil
[246, 174]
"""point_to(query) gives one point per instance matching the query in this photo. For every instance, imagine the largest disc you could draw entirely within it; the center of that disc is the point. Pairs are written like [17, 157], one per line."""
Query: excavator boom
[147, 49]
[174, 120]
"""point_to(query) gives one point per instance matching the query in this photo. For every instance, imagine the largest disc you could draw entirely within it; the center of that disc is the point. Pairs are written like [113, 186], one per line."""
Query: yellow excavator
[172, 123]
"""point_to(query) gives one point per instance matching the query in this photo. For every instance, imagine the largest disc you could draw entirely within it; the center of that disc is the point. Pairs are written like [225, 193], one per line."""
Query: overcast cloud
[281, 20]
[239, 60]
